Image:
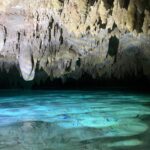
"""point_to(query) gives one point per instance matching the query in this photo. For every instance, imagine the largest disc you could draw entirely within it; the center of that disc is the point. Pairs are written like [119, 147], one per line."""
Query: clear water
[74, 120]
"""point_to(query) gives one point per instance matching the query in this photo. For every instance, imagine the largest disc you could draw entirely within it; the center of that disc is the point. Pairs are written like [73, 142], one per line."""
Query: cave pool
[74, 120]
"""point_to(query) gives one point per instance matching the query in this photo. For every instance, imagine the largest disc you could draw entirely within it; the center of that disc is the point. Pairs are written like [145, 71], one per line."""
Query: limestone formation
[67, 38]
[26, 62]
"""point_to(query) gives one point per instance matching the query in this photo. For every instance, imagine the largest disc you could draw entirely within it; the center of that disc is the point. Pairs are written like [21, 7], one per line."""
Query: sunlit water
[74, 120]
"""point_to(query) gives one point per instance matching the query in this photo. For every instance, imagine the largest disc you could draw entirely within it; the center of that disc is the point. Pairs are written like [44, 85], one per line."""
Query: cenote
[74, 120]
[74, 74]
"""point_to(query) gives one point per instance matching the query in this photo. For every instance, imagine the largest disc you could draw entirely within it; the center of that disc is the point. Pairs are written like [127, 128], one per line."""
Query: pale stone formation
[65, 38]
[26, 62]
[1, 38]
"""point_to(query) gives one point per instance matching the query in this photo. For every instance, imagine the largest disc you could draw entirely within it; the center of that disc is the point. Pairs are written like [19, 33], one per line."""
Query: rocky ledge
[104, 39]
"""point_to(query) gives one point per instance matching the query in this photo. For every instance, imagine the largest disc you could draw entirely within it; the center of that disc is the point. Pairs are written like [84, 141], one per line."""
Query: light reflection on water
[74, 120]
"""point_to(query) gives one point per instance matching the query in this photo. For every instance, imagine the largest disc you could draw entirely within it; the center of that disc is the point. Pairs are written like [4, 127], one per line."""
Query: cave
[74, 74]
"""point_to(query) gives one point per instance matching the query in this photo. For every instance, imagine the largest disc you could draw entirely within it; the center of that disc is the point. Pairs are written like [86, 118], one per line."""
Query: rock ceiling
[66, 38]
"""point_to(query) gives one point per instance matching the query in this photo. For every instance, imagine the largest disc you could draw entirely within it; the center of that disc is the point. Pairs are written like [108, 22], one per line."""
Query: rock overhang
[60, 33]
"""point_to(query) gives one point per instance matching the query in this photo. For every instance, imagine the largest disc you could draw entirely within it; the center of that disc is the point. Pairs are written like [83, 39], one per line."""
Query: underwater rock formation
[68, 38]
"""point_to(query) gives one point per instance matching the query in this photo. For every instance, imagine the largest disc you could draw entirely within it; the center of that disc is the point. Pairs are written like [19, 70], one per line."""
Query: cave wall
[69, 38]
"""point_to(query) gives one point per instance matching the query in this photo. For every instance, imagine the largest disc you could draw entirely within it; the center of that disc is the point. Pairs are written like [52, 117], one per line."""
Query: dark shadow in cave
[91, 2]
[124, 3]
[113, 47]
[13, 80]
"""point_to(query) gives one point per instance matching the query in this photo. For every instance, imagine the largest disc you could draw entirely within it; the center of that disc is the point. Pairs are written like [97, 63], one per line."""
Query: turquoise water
[74, 120]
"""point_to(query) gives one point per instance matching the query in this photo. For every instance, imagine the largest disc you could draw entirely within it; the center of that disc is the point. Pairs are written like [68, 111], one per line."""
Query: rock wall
[68, 38]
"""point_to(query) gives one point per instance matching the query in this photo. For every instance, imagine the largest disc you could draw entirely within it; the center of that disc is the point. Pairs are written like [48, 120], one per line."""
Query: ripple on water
[101, 120]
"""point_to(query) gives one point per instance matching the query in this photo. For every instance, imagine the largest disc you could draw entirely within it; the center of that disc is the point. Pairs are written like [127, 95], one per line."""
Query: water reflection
[71, 120]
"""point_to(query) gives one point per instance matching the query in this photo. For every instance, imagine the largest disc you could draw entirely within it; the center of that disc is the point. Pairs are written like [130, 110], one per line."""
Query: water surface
[74, 120]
